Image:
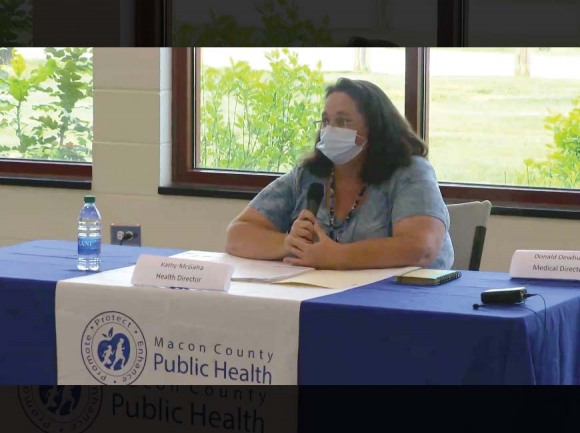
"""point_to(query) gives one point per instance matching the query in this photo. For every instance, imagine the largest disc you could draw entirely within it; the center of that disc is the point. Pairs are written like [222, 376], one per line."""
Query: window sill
[503, 209]
[46, 182]
[208, 191]
[563, 213]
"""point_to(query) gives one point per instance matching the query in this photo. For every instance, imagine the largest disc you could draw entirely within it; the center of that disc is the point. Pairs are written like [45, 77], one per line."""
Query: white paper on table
[345, 279]
[249, 270]
[279, 273]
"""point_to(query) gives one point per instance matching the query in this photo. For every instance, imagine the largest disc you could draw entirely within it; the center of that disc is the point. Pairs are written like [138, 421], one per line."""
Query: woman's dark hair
[391, 142]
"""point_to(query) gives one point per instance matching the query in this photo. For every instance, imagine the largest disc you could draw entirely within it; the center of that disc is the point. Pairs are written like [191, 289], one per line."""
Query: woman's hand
[324, 254]
[302, 229]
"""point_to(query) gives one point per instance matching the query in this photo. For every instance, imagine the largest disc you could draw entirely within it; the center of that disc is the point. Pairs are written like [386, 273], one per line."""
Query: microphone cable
[522, 304]
[545, 336]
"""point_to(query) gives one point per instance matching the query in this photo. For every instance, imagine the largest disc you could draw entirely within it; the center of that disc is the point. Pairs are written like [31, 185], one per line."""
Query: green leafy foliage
[259, 120]
[562, 167]
[282, 26]
[49, 130]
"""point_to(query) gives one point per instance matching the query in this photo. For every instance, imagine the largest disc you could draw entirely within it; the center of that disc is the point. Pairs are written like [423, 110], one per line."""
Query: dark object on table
[428, 277]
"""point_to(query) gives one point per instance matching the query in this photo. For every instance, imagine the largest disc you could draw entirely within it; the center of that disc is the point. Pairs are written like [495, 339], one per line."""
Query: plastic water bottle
[89, 236]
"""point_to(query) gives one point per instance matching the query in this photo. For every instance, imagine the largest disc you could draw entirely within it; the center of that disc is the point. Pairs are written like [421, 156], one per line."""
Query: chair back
[467, 231]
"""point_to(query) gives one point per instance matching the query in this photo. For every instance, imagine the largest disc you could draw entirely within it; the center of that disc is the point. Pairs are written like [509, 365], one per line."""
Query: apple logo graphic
[113, 349]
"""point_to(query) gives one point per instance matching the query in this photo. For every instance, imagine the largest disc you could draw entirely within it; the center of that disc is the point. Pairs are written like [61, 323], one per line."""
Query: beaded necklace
[333, 234]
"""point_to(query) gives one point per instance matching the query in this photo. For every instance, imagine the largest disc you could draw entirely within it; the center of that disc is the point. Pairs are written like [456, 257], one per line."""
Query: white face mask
[338, 144]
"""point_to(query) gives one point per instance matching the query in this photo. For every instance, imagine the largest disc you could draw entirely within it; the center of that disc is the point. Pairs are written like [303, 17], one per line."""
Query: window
[46, 106]
[505, 116]
[493, 118]
[258, 107]
[501, 124]
[253, 110]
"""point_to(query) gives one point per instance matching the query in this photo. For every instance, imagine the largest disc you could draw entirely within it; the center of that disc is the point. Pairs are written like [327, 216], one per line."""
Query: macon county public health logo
[61, 409]
[114, 349]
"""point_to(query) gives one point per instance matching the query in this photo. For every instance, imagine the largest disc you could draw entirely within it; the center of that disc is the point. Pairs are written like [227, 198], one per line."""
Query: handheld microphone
[314, 197]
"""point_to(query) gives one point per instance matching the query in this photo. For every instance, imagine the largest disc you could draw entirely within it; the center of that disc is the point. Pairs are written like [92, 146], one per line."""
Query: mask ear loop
[365, 142]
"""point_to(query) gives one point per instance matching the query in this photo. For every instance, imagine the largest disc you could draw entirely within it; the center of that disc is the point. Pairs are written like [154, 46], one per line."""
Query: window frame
[17, 168]
[150, 21]
[186, 128]
[185, 103]
[28, 168]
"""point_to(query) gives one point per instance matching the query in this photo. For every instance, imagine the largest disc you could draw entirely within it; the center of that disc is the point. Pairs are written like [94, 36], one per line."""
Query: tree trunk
[522, 62]
[361, 60]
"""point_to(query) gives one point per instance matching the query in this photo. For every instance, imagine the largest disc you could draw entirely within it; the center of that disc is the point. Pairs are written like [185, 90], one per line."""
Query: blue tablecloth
[389, 333]
[383, 333]
[28, 276]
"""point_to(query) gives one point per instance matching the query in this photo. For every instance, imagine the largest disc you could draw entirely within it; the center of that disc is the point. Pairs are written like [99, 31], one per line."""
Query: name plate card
[182, 273]
[546, 264]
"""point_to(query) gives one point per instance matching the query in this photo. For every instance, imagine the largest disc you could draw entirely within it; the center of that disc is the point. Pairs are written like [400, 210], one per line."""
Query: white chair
[467, 230]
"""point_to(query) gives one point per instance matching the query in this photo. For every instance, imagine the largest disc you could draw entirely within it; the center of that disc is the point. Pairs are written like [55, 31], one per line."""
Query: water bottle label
[89, 246]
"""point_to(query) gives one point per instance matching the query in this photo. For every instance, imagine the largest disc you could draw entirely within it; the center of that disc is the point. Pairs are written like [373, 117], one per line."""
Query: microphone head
[315, 192]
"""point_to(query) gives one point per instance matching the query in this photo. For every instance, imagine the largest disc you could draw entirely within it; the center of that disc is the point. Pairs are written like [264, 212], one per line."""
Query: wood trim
[150, 22]
[44, 169]
[511, 195]
[196, 67]
[185, 103]
[411, 91]
[426, 93]
[416, 89]
[181, 103]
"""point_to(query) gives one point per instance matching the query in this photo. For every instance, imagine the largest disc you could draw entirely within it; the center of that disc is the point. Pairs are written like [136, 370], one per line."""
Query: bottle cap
[89, 198]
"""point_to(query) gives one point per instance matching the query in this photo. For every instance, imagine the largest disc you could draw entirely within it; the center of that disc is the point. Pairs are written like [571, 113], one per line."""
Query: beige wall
[132, 129]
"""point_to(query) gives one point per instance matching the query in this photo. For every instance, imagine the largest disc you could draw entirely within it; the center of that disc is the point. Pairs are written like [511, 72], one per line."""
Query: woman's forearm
[384, 253]
[252, 241]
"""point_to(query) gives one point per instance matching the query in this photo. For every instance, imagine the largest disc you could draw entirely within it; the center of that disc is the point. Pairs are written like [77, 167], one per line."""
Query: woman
[382, 206]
